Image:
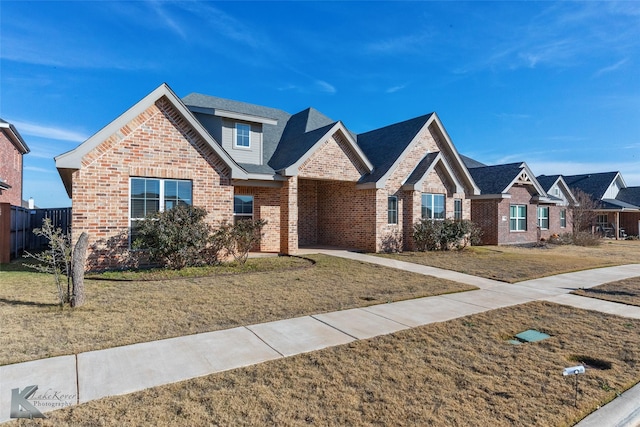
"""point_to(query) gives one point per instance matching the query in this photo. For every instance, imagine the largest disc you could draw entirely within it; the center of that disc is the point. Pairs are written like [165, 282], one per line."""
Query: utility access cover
[531, 335]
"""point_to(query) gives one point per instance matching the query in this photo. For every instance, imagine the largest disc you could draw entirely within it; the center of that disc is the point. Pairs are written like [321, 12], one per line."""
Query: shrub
[391, 242]
[581, 238]
[431, 235]
[240, 238]
[177, 238]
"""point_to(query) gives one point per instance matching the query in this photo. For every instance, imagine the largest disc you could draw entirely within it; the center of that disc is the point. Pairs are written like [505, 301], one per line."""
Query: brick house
[514, 207]
[313, 180]
[12, 148]
[618, 213]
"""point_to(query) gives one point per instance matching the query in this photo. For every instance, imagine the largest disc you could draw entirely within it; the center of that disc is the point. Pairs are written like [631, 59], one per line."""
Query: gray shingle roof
[421, 168]
[547, 181]
[282, 144]
[629, 195]
[385, 145]
[494, 179]
[471, 163]
[594, 184]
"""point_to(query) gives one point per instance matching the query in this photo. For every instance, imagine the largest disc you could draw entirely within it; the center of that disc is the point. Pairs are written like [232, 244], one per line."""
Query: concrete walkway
[67, 380]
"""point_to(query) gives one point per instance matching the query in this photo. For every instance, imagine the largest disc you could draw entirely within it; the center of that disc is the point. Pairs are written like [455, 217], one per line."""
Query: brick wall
[156, 144]
[520, 195]
[266, 205]
[10, 171]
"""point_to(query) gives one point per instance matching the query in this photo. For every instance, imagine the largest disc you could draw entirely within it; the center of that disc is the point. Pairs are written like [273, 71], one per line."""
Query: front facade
[618, 210]
[12, 148]
[514, 208]
[309, 177]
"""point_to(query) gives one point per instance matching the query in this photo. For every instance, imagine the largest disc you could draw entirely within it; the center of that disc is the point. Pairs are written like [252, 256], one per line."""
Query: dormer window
[243, 135]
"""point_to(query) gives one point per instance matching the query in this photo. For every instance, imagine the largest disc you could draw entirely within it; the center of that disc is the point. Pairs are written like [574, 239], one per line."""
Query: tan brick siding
[156, 144]
[333, 160]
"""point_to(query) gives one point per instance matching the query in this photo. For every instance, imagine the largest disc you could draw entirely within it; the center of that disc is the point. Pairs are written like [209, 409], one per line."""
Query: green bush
[177, 238]
[432, 235]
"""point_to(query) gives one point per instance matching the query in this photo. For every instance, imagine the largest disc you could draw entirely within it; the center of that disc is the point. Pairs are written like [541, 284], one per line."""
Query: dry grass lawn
[624, 291]
[126, 312]
[514, 264]
[461, 372]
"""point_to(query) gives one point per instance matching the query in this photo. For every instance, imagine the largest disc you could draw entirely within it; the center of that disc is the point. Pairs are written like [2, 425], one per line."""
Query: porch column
[617, 231]
[289, 217]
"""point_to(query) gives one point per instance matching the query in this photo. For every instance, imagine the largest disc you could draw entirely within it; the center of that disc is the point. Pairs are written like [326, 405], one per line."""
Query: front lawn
[133, 311]
[623, 291]
[461, 372]
[514, 264]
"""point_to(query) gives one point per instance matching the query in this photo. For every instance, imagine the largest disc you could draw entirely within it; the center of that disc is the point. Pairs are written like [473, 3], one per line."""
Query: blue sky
[554, 84]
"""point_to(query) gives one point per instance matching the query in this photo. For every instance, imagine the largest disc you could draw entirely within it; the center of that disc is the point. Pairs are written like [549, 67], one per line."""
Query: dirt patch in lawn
[624, 291]
[514, 264]
[461, 372]
[119, 313]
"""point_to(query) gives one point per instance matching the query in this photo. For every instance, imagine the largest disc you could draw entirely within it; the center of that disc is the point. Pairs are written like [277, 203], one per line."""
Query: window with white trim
[433, 206]
[392, 209]
[243, 135]
[150, 195]
[543, 217]
[518, 218]
[563, 218]
[242, 208]
[457, 209]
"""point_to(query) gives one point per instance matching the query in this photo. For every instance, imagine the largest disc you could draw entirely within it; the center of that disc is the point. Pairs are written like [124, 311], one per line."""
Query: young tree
[583, 215]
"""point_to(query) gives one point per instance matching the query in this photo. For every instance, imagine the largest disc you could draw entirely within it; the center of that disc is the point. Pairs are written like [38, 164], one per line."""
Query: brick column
[289, 217]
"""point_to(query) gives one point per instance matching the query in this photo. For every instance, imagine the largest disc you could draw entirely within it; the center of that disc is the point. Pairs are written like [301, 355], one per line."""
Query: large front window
[242, 208]
[433, 206]
[543, 217]
[150, 195]
[518, 218]
[563, 218]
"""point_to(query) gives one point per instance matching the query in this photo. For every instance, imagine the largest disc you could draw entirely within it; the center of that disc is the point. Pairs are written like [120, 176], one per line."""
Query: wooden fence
[16, 229]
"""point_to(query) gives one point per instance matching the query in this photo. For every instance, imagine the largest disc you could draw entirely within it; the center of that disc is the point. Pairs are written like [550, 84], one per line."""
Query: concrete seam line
[385, 317]
[266, 343]
[333, 327]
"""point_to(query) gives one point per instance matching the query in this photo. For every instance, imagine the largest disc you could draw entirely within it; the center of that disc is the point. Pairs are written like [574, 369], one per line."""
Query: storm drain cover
[531, 336]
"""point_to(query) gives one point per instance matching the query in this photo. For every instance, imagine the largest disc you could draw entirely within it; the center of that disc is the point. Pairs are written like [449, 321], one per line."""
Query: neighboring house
[12, 148]
[314, 181]
[514, 207]
[618, 213]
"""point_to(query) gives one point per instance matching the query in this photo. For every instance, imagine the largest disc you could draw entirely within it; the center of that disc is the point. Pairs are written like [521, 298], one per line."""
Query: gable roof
[385, 146]
[498, 179]
[72, 160]
[594, 184]
[14, 136]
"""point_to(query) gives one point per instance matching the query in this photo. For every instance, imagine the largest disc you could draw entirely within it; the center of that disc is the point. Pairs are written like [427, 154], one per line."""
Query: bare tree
[583, 212]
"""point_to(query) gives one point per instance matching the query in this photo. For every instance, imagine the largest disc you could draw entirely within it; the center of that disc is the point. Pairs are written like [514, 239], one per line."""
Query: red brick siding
[266, 205]
[156, 144]
[308, 212]
[519, 196]
[629, 221]
[10, 171]
[346, 216]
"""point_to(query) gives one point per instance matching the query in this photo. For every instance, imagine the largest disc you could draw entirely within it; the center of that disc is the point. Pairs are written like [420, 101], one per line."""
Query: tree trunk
[78, 260]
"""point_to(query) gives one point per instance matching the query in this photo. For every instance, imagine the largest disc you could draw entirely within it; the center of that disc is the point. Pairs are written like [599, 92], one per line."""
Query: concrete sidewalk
[67, 380]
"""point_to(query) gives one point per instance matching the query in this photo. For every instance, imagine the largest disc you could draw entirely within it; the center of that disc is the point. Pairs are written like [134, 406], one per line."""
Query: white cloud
[395, 89]
[325, 87]
[611, 68]
[49, 132]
